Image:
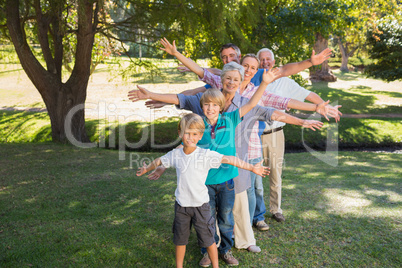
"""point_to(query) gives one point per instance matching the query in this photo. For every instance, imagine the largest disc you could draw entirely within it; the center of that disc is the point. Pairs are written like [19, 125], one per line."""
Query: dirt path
[107, 95]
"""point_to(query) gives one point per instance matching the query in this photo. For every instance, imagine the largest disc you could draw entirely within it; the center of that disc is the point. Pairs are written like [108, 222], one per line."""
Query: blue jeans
[256, 195]
[221, 200]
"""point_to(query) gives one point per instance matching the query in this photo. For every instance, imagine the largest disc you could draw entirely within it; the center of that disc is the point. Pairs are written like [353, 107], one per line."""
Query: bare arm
[314, 98]
[258, 169]
[143, 94]
[181, 68]
[154, 104]
[325, 109]
[154, 175]
[189, 63]
[296, 67]
[289, 119]
[268, 77]
[146, 168]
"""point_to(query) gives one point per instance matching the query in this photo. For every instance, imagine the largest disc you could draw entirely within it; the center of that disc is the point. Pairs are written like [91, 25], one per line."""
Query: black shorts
[200, 218]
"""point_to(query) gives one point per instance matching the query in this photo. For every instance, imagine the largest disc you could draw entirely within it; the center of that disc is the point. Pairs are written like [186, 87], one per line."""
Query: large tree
[359, 16]
[292, 25]
[48, 18]
[66, 30]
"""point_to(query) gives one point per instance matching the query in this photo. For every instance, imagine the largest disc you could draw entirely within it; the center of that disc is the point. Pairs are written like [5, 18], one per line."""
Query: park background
[62, 205]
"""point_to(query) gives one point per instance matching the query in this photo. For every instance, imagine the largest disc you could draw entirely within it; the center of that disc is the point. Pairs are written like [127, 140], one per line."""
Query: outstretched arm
[258, 169]
[324, 109]
[296, 67]
[267, 77]
[144, 94]
[189, 63]
[181, 68]
[289, 119]
[146, 168]
[190, 92]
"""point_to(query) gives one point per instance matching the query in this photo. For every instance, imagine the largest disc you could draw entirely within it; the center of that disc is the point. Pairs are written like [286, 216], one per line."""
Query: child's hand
[270, 75]
[142, 170]
[154, 175]
[140, 94]
[312, 124]
[260, 170]
[170, 49]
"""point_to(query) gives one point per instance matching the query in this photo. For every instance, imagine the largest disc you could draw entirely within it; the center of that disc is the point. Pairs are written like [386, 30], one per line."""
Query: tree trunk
[60, 98]
[322, 72]
[345, 56]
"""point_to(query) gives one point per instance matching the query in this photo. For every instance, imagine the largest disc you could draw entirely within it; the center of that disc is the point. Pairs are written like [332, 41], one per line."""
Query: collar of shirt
[213, 128]
[236, 102]
[250, 87]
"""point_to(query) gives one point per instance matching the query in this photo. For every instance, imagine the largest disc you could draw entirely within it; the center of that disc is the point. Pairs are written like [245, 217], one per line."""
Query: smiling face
[266, 60]
[228, 55]
[211, 111]
[250, 68]
[191, 137]
[231, 82]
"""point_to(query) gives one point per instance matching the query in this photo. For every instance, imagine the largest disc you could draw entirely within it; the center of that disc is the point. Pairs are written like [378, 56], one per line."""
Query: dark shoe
[261, 225]
[278, 217]
[229, 259]
[205, 261]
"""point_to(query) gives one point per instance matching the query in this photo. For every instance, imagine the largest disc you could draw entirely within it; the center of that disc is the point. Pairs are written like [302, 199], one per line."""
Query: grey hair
[230, 45]
[232, 66]
[264, 50]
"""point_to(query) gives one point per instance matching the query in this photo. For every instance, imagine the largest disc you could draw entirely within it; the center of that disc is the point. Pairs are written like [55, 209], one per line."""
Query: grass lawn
[63, 206]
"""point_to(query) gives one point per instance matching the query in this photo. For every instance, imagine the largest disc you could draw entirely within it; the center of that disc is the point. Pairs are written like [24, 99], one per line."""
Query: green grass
[18, 126]
[63, 206]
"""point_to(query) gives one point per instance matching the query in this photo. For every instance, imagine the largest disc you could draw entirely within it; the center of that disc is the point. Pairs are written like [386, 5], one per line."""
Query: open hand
[169, 48]
[140, 94]
[260, 170]
[312, 124]
[142, 170]
[328, 110]
[321, 57]
[270, 75]
[153, 104]
[157, 173]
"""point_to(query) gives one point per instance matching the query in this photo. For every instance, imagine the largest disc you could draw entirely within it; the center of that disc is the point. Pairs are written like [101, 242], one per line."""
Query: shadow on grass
[356, 103]
[348, 133]
[340, 213]
[21, 122]
[348, 76]
[86, 208]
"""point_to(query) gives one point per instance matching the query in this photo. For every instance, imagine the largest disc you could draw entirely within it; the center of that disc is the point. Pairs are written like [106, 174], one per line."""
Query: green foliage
[289, 29]
[17, 127]
[299, 79]
[386, 48]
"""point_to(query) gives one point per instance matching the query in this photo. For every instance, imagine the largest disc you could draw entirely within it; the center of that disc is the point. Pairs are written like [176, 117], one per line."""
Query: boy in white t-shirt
[192, 164]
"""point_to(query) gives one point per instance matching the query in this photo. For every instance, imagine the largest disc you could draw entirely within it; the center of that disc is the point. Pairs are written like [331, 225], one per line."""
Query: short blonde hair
[250, 55]
[191, 121]
[214, 96]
